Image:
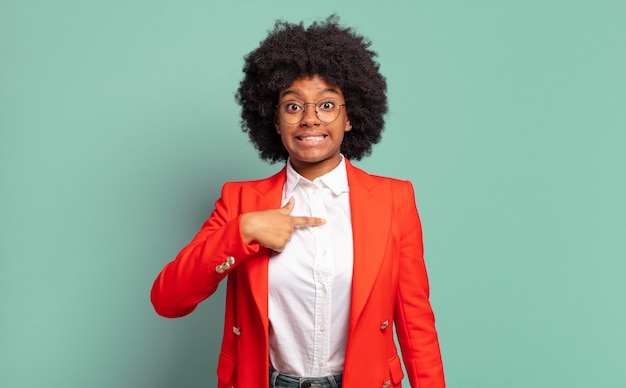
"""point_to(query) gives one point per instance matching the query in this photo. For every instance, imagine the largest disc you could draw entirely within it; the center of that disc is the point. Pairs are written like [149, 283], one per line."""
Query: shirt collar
[336, 179]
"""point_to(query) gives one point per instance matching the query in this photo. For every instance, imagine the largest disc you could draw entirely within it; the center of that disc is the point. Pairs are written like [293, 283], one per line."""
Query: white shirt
[310, 281]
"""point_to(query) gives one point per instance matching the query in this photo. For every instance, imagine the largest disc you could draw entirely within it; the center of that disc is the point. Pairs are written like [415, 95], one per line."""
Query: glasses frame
[304, 104]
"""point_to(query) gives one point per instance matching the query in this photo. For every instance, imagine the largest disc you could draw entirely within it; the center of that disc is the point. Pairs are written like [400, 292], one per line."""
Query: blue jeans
[278, 380]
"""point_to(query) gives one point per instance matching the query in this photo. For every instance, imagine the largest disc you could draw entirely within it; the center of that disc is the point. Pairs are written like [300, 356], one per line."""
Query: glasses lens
[291, 112]
[327, 110]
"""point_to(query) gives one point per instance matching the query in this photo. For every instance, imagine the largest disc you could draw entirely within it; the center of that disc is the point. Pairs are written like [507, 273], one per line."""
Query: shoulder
[356, 174]
[245, 196]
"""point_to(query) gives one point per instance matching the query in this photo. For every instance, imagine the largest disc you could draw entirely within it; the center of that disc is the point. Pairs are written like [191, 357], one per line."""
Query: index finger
[301, 221]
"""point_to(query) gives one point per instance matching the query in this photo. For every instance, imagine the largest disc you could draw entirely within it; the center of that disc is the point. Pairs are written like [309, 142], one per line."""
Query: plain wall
[118, 127]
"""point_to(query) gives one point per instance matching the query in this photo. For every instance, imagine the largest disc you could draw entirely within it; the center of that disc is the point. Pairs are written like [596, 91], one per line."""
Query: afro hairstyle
[335, 53]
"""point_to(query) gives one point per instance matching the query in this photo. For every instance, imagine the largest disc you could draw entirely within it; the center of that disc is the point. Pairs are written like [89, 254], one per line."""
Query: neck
[315, 170]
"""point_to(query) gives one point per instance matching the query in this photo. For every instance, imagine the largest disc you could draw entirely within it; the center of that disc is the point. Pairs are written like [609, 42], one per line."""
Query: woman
[321, 258]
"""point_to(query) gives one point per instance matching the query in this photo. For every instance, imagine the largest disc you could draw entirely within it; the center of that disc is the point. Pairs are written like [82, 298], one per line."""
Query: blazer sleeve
[414, 318]
[198, 268]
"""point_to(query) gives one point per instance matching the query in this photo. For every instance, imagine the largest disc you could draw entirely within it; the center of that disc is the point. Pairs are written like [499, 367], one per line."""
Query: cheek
[282, 130]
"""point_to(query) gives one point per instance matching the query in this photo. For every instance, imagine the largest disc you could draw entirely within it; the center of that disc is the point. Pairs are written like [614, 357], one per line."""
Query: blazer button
[386, 383]
[230, 260]
[384, 325]
[219, 268]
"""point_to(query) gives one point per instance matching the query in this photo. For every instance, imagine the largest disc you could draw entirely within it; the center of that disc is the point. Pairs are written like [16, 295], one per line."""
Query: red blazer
[389, 285]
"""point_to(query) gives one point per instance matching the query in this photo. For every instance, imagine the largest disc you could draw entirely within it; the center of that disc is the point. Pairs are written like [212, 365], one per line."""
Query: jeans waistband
[279, 380]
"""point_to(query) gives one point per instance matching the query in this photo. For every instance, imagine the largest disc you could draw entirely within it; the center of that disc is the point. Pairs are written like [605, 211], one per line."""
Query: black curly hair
[335, 53]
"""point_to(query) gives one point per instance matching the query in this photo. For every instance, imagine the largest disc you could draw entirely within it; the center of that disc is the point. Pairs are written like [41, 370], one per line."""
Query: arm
[226, 237]
[415, 322]
[192, 276]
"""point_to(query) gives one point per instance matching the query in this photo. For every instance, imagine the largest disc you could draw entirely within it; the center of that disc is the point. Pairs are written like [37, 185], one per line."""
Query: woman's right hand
[273, 228]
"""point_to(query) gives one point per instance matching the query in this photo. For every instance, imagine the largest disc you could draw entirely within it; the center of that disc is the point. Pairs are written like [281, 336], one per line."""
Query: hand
[273, 228]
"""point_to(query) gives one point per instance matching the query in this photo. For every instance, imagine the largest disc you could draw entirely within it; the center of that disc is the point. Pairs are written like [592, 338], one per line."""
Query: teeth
[312, 138]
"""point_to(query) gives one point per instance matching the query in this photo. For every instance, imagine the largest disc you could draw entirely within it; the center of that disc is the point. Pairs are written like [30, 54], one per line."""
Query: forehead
[310, 87]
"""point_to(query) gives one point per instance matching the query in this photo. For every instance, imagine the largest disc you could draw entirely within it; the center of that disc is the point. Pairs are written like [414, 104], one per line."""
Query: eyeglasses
[292, 112]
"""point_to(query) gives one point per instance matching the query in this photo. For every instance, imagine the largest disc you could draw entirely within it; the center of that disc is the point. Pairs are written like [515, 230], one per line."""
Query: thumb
[286, 210]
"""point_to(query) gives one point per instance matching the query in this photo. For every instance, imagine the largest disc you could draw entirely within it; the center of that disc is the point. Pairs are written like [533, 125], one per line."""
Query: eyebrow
[296, 93]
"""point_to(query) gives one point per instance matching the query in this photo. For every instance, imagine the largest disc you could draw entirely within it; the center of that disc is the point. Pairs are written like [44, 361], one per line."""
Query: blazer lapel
[262, 195]
[371, 225]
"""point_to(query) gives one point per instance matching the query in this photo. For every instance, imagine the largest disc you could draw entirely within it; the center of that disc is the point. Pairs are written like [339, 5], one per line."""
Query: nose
[310, 115]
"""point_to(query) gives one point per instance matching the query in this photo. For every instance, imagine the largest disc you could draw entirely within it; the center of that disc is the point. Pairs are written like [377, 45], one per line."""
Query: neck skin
[315, 170]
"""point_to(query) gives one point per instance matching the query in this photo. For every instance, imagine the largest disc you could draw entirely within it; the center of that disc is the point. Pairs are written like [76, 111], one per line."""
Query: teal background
[118, 127]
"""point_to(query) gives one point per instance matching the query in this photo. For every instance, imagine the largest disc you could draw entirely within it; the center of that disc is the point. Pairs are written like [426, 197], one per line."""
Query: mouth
[313, 139]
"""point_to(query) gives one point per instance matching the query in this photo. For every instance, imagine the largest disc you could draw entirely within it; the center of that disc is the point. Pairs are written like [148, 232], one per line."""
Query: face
[313, 145]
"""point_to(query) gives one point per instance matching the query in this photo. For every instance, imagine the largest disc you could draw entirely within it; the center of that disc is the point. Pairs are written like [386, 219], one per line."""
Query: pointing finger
[307, 221]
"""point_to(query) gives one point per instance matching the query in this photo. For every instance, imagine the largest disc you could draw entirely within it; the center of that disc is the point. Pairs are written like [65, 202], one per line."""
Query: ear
[347, 127]
[276, 123]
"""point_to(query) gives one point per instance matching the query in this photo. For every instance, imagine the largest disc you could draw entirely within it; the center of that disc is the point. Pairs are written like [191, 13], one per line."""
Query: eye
[327, 105]
[292, 107]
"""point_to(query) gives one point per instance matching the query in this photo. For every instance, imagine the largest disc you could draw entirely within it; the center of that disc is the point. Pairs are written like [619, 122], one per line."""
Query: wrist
[244, 228]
